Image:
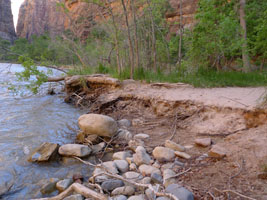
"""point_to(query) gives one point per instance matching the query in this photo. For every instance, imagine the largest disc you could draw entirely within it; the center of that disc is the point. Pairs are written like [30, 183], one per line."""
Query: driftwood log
[80, 189]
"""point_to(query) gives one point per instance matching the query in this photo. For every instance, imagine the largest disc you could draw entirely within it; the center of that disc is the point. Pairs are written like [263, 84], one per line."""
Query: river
[26, 121]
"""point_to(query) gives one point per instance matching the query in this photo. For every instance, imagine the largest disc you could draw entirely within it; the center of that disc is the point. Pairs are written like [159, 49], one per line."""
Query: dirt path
[234, 97]
[229, 116]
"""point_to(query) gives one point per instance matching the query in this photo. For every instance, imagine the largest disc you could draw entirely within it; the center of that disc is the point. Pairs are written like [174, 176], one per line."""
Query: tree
[245, 57]
[215, 40]
[129, 39]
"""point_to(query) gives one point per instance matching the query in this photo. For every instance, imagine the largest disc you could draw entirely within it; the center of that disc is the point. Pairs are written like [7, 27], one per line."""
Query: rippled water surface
[25, 123]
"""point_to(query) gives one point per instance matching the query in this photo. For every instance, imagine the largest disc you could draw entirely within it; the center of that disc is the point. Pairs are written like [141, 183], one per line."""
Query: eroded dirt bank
[229, 116]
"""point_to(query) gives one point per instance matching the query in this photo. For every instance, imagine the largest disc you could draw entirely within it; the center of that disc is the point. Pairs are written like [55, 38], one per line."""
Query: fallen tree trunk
[55, 79]
[80, 189]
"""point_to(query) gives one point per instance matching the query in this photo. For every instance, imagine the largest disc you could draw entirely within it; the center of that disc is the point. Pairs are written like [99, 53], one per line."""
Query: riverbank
[230, 119]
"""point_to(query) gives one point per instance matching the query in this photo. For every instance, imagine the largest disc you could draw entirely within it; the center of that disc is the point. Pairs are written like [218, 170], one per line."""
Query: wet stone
[74, 150]
[162, 198]
[74, 197]
[43, 153]
[180, 192]
[126, 190]
[150, 194]
[100, 178]
[63, 184]
[137, 197]
[122, 165]
[141, 156]
[111, 184]
[119, 197]
[146, 180]
[98, 147]
[133, 175]
[49, 186]
[156, 178]
[6, 181]
[111, 167]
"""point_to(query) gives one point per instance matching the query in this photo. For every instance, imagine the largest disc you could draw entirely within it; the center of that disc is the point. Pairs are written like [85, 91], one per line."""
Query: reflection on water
[25, 123]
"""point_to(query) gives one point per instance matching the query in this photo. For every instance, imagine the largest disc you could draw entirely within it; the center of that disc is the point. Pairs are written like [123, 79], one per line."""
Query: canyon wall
[7, 30]
[39, 16]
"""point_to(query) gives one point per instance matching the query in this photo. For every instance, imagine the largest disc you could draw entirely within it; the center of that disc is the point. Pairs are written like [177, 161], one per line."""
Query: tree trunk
[137, 61]
[119, 65]
[181, 36]
[245, 57]
[129, 39]
[154, 51]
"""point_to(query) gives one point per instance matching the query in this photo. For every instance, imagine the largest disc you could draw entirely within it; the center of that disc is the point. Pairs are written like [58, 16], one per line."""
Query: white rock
[124, 135]
[163, 154]
[141, 136]
[125, 123]
[146, 180]
[100, 178]
[137, 197]
[132, 175]
[74, 150]
[133, 144]
[110, 167]
[182, 155]
[141, 157]
[122, 165]
[133, 167]
[126, 190]
[174, 146]
[217, 152]
[63, 184]
[147, 170]
[204, 142]
[168, 177]
[98, 147]
[100, 125]
[121, 155]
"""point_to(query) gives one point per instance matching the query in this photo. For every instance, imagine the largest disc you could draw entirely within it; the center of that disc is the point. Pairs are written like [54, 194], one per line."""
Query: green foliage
[4, 49]
[210, 48]
[215, 40]
[31, 74]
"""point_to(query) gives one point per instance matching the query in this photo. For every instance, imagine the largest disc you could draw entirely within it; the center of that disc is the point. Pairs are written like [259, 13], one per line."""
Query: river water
[26, 121]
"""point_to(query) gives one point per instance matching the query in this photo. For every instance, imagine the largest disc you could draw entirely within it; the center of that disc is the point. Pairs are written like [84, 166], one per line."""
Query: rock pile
[124, 176]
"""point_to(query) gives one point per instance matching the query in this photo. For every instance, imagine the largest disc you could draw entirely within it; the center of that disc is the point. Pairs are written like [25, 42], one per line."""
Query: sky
[15, 5]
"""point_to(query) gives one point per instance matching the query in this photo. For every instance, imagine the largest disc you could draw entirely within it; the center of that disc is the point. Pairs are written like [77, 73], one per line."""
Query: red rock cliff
[7, 30]
[39, 16]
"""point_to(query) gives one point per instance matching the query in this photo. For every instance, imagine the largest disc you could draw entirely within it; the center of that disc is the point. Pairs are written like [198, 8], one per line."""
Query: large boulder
[100, 125]
[163, 154]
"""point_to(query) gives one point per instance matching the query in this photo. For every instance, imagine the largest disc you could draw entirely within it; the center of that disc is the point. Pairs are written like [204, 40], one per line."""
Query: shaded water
[25, 123]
